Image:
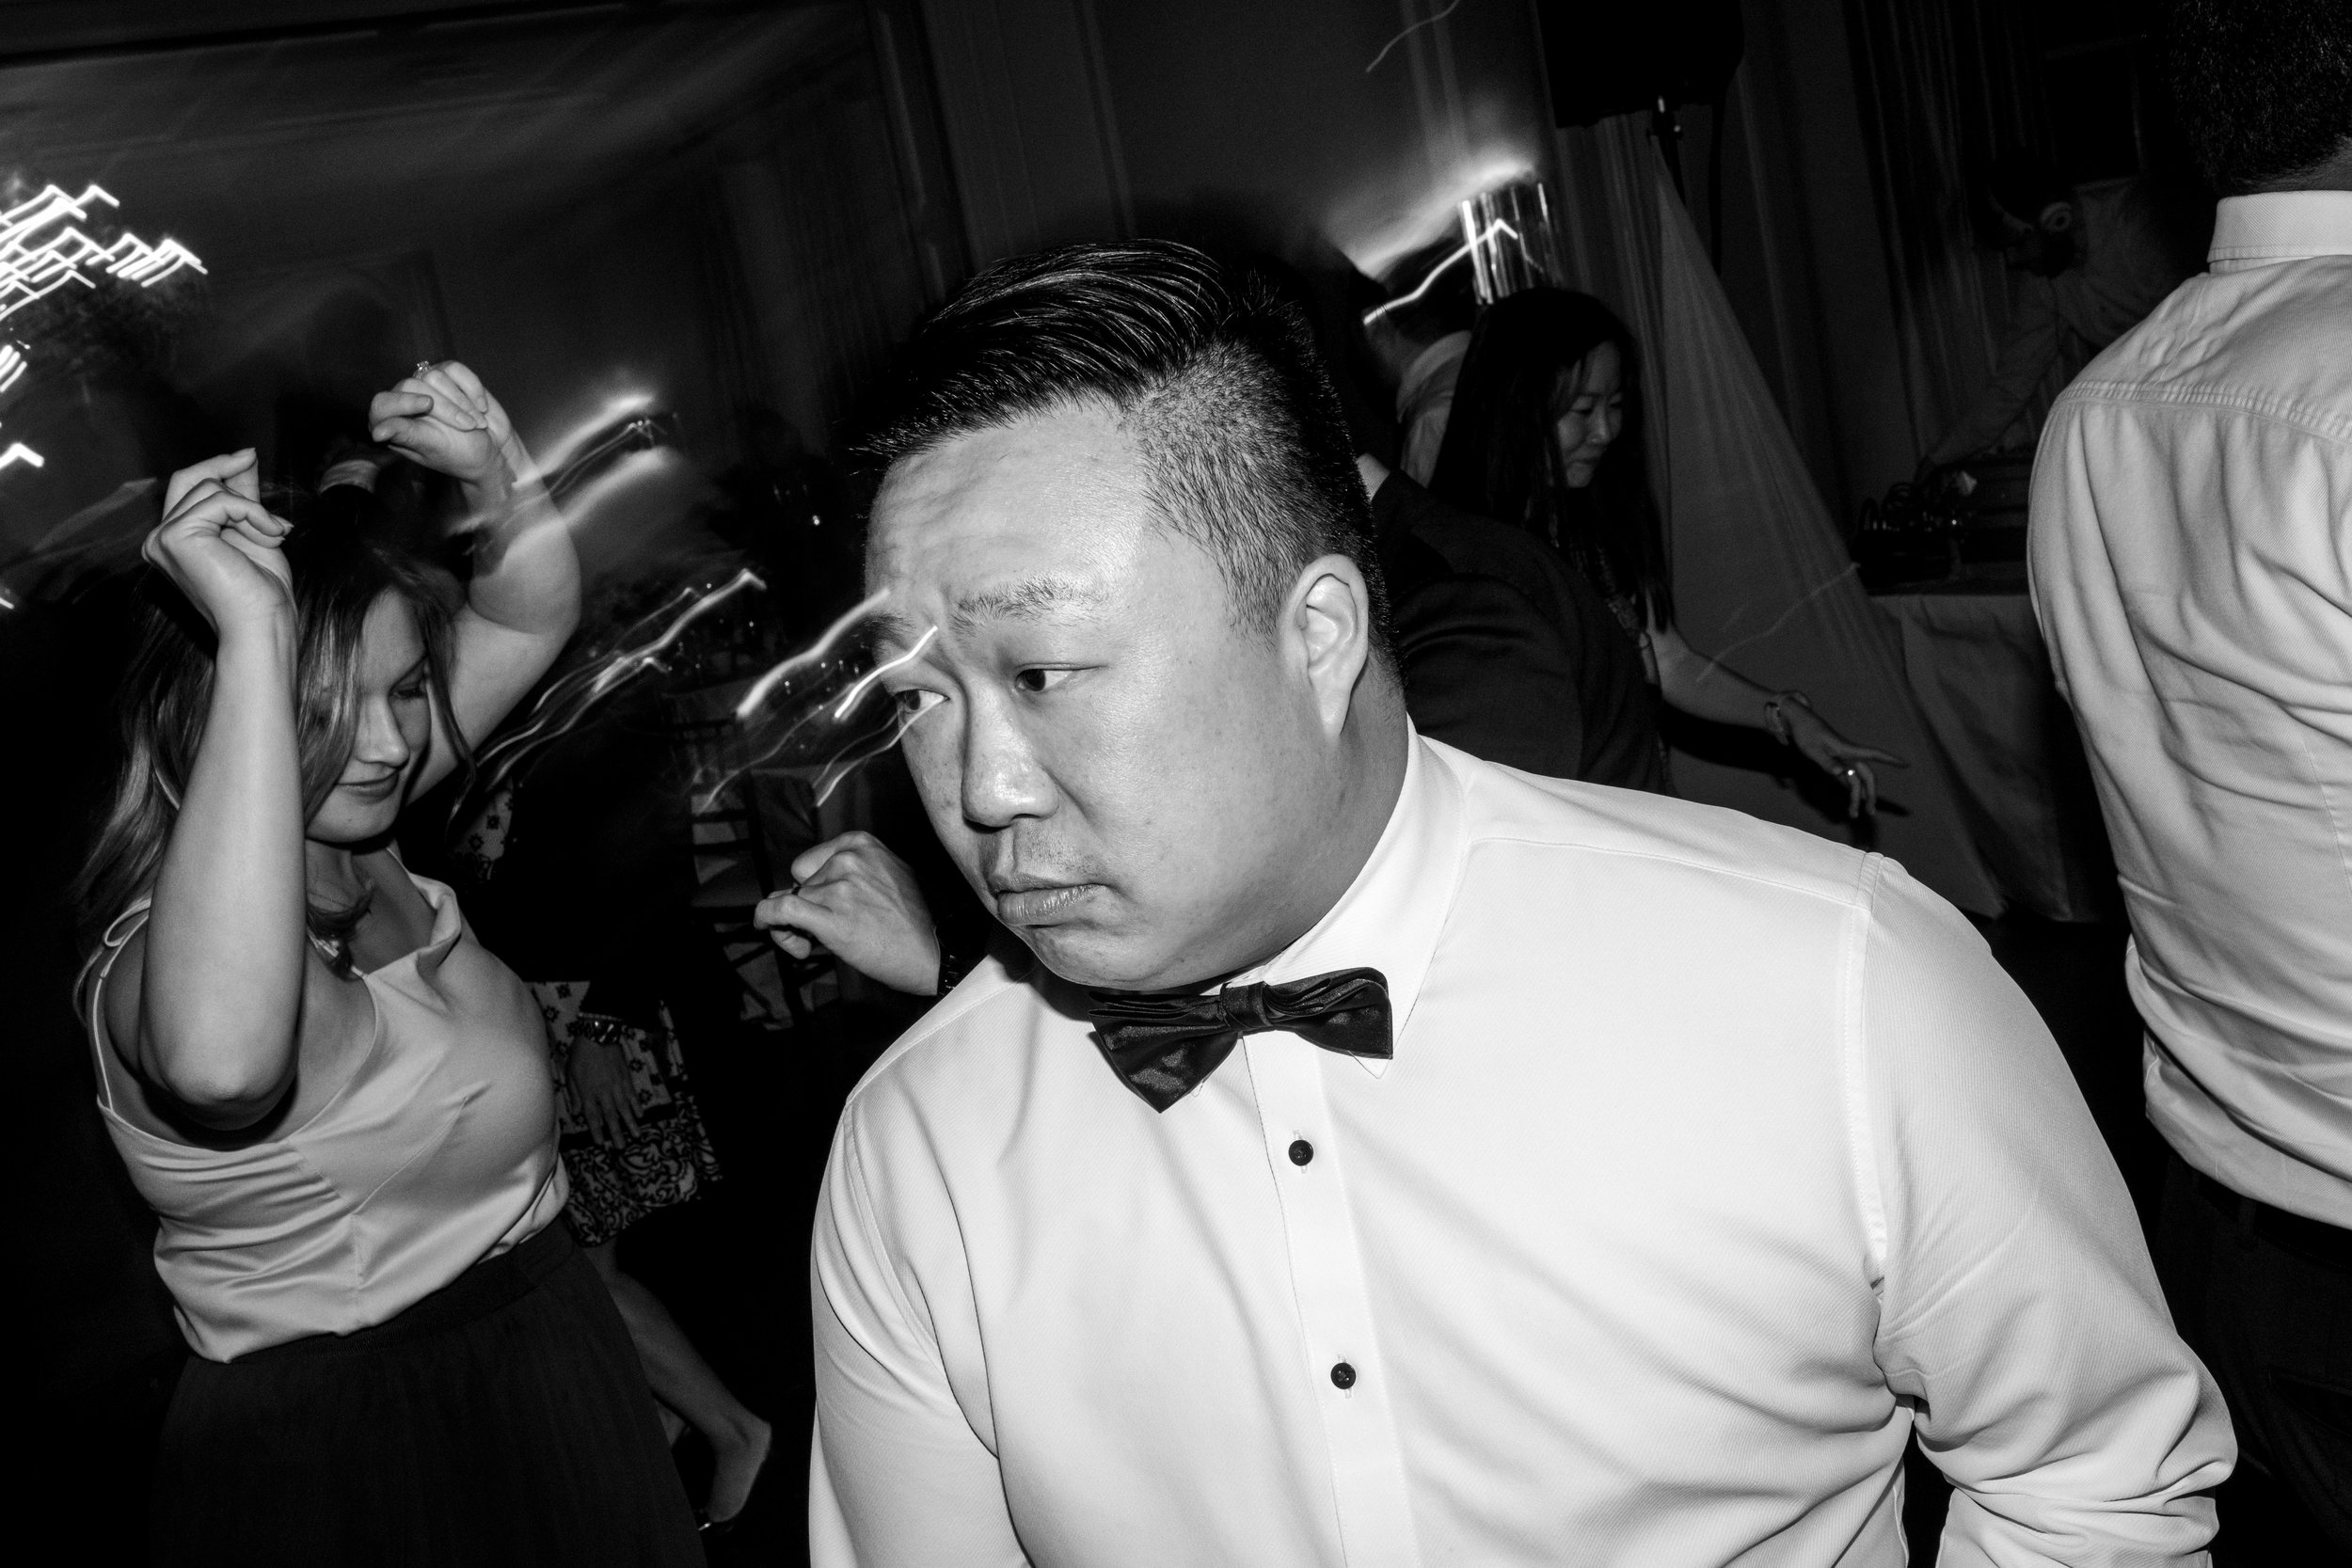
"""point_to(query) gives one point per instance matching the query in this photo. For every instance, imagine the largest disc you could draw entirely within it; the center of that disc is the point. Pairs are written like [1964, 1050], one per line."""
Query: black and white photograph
[1178, 784]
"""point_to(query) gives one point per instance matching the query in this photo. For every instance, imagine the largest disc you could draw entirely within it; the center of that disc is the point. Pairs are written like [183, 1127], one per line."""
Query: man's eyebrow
[1029, 600]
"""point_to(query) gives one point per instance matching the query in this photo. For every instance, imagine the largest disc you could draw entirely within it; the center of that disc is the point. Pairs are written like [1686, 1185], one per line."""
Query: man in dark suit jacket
[1506, 652]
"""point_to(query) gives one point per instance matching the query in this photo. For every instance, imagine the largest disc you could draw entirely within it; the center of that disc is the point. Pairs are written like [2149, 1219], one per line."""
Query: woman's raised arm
[524, 599]
[207, 1001]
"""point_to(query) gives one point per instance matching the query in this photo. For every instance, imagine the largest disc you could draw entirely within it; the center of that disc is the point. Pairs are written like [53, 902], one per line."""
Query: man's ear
[1327, 620]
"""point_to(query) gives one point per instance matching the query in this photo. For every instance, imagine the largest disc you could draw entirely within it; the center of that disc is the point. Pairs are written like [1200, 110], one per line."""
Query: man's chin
[1085, 958]
[1097, 960]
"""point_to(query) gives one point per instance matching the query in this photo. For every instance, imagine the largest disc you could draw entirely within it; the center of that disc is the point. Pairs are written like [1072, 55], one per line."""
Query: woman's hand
[221, 546]
[445, 420]
[600, 1077]
[861, 902]
[1847, 761]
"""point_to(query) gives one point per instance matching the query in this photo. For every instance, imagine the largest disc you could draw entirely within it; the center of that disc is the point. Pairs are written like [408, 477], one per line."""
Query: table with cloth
[1974, 658]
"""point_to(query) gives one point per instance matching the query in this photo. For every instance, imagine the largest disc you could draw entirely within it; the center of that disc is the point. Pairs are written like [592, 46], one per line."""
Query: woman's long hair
[1499, 458]
[349, 547]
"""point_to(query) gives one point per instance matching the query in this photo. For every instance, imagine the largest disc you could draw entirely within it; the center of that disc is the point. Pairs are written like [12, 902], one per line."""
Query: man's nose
[1003, 780]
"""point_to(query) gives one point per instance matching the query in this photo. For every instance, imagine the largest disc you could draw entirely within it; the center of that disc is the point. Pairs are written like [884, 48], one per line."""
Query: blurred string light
[568, 700]
[815, 713]
[44, 247]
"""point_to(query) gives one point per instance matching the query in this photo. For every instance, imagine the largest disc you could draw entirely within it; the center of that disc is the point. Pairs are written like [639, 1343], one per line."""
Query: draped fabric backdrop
[1943, 87]
[1760, 574]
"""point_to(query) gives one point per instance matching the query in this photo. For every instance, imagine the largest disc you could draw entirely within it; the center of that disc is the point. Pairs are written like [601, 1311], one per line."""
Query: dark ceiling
[262, 145]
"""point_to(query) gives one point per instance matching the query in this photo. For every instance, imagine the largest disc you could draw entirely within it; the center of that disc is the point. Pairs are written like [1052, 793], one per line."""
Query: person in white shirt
[1381, 1156]
[2192, 506]
[2096, 259]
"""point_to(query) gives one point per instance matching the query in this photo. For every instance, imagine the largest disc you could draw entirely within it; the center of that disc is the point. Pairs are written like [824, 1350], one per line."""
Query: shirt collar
[2279, 226]
[1390, 917]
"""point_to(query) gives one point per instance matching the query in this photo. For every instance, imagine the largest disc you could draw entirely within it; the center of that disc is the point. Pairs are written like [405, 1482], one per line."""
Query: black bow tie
[1162, 1046]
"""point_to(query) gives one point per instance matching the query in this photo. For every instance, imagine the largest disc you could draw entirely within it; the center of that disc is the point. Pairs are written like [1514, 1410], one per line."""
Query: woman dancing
[336, 1100]
[1545, 434]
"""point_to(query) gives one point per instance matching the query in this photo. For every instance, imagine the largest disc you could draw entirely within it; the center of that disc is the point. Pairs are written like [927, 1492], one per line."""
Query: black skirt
[503, 1419]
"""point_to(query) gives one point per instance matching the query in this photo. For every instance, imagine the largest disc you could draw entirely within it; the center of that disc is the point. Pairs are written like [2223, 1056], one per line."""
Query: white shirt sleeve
[2018, 1307]
[898, 1478]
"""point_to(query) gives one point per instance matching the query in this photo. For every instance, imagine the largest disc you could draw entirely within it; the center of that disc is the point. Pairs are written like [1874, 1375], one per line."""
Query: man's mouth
[1024, 900]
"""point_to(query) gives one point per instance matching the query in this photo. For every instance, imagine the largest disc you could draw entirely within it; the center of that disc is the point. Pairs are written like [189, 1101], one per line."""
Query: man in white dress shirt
[2192, 567]
[1382, 1157]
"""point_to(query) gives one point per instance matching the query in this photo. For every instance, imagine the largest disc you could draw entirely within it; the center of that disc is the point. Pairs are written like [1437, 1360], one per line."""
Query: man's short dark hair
[2264, 87]
[1215, 378]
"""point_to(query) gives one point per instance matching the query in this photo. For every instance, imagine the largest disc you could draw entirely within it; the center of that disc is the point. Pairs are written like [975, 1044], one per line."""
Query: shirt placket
[1344, 1365]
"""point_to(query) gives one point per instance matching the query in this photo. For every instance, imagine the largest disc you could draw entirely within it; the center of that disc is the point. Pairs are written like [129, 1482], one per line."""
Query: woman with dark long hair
[1545, 434]
[337, 1103]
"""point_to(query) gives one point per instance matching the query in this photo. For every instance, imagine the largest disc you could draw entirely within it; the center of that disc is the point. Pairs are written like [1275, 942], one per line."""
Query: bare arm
[1708, 688]
[211, 1011]
[524, 599]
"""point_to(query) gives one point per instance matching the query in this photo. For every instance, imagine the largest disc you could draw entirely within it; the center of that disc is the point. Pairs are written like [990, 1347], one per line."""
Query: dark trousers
[2264, 1298]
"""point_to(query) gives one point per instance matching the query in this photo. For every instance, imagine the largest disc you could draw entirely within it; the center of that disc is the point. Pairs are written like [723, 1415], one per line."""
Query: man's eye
[914, 701]
[1039, 680]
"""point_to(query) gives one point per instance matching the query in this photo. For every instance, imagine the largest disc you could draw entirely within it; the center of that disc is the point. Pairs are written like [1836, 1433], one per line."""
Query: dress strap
[102, 964]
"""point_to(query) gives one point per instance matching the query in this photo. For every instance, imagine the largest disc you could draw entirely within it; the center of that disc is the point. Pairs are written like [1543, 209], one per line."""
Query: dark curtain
[1944, 86]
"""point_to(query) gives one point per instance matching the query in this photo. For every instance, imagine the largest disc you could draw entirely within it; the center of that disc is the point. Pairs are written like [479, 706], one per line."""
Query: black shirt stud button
[1343, 1375]
[1301, 1151]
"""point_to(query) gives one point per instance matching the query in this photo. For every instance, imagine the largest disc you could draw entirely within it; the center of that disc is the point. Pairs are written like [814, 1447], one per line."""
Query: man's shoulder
[1573, 820]
[2272, 343]
[1005, 997]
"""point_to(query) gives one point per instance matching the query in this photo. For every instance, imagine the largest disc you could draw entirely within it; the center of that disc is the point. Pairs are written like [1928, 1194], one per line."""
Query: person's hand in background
[599, 1073]
[860, 902]
[1846, 761]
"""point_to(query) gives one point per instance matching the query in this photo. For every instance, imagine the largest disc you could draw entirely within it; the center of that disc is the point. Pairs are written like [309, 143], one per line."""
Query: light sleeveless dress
[437, 1153]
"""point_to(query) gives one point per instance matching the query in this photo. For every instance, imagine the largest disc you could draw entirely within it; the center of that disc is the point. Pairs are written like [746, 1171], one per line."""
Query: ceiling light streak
[18, 452]
[1466, 249]
[11, 365]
